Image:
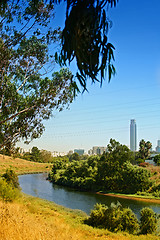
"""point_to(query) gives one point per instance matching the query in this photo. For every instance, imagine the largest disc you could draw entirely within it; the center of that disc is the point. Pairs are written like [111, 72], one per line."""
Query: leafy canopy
[27, 94]
[84, 37]
[29, 89]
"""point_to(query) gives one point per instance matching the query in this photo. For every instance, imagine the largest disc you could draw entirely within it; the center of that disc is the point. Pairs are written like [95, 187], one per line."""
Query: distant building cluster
[79, 151]
[56, 153]
[97, 150]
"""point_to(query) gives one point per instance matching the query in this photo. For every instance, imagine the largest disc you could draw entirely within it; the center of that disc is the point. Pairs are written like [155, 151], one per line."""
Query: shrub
[98, 216]
[11, 178]
[114, 218]
[129, 221]
[7, 192]
[148, 221]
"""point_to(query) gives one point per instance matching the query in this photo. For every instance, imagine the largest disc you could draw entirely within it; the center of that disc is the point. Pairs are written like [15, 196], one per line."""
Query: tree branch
[16, 114]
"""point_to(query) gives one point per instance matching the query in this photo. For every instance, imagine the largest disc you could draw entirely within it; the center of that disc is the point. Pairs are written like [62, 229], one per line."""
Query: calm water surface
[37, 185]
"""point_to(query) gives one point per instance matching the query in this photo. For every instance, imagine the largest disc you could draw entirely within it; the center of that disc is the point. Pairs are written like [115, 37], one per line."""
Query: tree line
[113, 171]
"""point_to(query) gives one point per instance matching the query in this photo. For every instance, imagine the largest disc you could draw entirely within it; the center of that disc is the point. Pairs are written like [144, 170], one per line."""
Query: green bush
[7, 192]
[148, 221]
[98, 216]
[114, 218]
[129, 222]
[11, 178]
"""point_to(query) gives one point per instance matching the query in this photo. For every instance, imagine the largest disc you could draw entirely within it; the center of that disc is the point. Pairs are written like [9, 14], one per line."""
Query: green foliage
[135, 179]
[157, 159]
[97, 216]
[84, 38]
[7, 192]
[75, 156]
[110, 172]
[114, 218]
[43, 156]
[148, 221]
[11, 178]
[46, 156]
[27, 95]
[35, 155]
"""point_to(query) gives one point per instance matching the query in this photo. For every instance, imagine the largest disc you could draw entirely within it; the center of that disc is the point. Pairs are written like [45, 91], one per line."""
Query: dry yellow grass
[36, 219]
[21, 166]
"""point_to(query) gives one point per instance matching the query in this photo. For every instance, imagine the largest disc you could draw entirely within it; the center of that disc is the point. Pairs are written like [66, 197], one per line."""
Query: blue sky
[134, 93]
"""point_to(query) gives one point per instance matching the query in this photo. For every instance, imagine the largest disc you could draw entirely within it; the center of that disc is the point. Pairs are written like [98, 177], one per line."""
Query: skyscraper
[158, 146]
[133, 135]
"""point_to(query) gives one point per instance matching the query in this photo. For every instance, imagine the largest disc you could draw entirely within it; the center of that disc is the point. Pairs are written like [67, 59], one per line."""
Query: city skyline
[104, 113]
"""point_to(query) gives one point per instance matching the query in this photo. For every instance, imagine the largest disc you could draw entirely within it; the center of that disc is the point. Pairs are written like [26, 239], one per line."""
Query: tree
[119, 153]
[46, 156]
[144, 149]
[75, 156]
[157, 159]
[27, 94]
[35, 155]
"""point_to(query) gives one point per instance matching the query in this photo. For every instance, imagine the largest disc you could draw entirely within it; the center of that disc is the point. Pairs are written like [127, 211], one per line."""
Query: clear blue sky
[134, 93]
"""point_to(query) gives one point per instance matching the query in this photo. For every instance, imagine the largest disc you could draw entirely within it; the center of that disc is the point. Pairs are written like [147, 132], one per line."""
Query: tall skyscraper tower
[133, 135]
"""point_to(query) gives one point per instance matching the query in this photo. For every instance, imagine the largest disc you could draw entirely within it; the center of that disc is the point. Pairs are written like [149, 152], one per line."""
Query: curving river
[37, 185]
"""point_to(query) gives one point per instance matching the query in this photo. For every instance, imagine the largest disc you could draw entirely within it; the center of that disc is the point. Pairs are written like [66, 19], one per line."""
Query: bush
[7, 192]
[114, 218]
[11, 178]
[98, 216]
[148, 221]
[129, 222]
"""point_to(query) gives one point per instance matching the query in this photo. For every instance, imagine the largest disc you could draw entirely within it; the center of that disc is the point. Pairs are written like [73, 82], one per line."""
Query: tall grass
[21, 166]
[35, 219]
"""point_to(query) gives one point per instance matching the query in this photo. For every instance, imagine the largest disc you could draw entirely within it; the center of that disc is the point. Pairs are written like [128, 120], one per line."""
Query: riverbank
[21, 166]
[132, 197]
[31, 218]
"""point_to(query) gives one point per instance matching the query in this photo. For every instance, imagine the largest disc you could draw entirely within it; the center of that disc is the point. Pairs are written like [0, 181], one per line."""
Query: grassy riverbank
[31, 218]
[21, 166]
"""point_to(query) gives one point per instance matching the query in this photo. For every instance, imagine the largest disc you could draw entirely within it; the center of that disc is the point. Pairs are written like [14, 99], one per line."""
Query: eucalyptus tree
[29, 89]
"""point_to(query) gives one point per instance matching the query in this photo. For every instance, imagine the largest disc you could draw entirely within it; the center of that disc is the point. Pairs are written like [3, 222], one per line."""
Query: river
[37, 185]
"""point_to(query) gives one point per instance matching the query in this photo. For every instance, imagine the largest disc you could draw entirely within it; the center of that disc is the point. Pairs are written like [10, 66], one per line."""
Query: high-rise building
[158, 146]
[79, 151]
[133, 135]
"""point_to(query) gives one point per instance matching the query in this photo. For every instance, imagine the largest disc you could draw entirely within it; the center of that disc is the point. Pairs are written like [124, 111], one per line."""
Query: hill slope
[21, 166]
